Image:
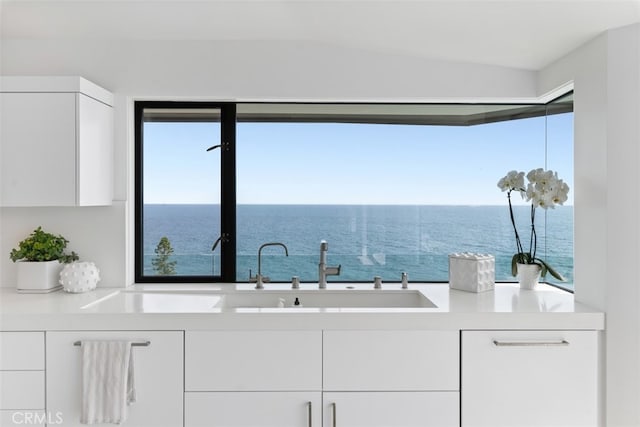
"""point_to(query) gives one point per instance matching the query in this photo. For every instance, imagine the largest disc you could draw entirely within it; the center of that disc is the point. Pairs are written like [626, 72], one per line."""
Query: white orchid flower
[514, 180]
[544, 190]
[533, 174]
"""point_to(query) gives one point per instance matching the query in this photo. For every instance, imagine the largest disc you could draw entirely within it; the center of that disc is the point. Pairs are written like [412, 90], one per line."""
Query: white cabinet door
[21, 389]
[253, 409]
[391, 409]
[253, 361]
[38, 134]
[22, 351]
[391, 360]
[529, 378]
[31, 418]
[158, 376]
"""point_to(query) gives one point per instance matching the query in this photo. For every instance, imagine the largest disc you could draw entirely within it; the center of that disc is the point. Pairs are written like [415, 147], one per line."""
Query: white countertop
[192, 307]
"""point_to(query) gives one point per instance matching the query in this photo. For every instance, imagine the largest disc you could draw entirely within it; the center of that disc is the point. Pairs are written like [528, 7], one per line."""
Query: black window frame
[227, 191]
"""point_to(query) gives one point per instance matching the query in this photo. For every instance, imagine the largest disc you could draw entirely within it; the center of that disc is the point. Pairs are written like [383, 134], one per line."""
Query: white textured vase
[79, 277]
[528, 275]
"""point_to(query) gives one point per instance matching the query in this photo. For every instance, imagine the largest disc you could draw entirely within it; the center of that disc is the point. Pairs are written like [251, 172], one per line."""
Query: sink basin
[327, 299]
[250, 300]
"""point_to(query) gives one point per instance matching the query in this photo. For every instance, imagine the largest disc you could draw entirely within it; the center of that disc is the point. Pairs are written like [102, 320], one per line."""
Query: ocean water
[367, 241]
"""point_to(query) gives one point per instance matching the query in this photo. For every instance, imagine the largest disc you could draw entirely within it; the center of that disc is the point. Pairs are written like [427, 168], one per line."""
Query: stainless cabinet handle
[562, 343]
[310, 414]
[334, 422]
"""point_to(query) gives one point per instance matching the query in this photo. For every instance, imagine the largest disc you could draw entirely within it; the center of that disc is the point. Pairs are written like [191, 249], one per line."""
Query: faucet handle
[261, 280]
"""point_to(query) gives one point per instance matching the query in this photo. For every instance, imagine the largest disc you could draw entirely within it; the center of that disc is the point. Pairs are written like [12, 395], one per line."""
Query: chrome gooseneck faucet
[259, 278]
[323, 270]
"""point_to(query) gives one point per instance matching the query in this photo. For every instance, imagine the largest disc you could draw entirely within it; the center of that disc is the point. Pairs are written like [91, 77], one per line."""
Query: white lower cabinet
[529, 378]
[21, 389]
[394, 378]
[395, 360]
[253, 378]
[253, 361]
[26, 417]
[22, 379]
[158, 370]
[391, 409]
[252, 409]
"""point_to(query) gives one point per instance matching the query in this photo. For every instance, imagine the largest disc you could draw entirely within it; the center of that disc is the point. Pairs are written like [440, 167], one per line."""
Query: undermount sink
[250, 300]
[326, 299]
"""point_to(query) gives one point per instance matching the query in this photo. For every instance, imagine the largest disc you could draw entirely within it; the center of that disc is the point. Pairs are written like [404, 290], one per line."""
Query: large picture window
[185, 192]
[392, 188]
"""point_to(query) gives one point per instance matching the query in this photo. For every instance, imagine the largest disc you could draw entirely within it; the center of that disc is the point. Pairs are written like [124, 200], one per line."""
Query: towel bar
[133, 344]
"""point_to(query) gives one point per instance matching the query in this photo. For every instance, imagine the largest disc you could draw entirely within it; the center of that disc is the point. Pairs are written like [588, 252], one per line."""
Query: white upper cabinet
[56, 136]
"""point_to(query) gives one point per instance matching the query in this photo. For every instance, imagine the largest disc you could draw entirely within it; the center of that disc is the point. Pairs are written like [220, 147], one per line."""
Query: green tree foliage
[160, 262]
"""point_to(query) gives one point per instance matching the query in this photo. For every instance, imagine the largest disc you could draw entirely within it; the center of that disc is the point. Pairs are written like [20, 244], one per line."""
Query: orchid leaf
[547, 268]
[526, 258]
[519, 258]
[514, 265]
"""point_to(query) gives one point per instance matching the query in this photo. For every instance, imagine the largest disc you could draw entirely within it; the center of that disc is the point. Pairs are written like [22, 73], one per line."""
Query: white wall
[606, 74]
[95, 233]
[587, 68]
[239, 70]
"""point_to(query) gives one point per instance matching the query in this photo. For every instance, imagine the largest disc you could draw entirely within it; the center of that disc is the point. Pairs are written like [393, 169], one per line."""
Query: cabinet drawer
[22, 390]
[21, 351]
[391, 360]
[250, 409]
[253, 361]
[397, 409]
[532, 378]
[31, 418]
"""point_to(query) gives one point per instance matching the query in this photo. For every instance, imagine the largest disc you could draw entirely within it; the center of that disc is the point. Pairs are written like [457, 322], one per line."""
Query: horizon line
[347, 204]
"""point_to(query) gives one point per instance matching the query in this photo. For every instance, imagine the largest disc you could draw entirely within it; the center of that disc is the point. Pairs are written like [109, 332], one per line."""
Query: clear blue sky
[306, 163]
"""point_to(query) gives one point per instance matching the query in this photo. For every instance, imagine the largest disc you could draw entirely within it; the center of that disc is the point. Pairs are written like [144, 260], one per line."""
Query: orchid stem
[515, 229]
[533, 245]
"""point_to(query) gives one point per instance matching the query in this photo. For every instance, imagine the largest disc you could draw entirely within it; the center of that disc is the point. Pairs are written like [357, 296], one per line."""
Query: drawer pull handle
[334, 422]
[562, 343]
[309, 414]
[133, 344]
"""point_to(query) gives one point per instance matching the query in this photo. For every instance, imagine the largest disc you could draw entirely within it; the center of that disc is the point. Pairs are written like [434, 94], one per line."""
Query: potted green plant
[39, 258]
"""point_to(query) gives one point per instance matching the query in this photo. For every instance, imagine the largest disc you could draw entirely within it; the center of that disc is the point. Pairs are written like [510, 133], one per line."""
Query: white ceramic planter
[528, 275]
[38, 277]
